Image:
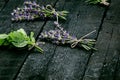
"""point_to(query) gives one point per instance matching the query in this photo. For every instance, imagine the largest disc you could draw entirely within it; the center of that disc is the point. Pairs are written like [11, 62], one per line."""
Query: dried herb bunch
[19, 39]
[60, 36]
[104, 2]
[32, 10]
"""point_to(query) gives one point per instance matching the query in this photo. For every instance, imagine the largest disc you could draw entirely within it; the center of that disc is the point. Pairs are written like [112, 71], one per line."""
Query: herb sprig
[104, 2]
[32, 10]
[19, 39]
[60, 36]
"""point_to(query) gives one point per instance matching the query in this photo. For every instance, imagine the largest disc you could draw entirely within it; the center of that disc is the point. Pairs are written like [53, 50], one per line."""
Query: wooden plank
[3, 4]
[8, 56]
[36, 63]
[103, 63]
[117, 73]
[67, 63]
[114, 19]
[11, 61]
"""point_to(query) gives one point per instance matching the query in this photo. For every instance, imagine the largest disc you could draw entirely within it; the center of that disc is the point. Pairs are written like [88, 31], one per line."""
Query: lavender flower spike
[32, 10]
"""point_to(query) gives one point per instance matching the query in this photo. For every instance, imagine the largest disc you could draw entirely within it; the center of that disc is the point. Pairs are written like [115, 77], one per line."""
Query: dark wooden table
[62, 62]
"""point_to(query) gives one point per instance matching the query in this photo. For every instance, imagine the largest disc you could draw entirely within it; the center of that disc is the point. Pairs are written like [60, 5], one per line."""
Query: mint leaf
[22, 31]
[3, 36]
[19, 39]
[20, 44]
[1, 41]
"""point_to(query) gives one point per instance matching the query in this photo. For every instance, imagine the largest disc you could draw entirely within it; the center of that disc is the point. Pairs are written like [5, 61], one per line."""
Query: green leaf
[18, 38]
[1, 41]
[85, 46]
[93, 1]
[3, 36]
[20, 44]
[65, 12]
[62, 17]
[22, 31]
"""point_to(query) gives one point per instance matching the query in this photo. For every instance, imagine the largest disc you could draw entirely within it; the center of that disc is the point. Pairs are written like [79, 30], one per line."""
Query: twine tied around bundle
[53, 11]
[74, 44]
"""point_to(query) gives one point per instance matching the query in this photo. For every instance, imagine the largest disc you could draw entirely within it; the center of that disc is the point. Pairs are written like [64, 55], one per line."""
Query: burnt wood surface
[3, 3]
[63, 62]
[104, 64]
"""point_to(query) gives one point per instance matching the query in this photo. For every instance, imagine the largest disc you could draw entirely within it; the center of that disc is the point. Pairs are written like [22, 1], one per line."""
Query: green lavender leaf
[93, 1]
[86, 47]
[62, 17]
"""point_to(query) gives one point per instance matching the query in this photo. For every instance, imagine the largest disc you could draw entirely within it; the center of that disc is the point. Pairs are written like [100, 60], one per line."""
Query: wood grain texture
[103, 63]
[63, 62]
[35, 66]
[3, 4]
[67, 63]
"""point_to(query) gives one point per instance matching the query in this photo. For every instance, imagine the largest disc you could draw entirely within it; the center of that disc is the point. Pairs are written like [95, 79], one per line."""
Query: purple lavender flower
[35, 11]
[59, 36]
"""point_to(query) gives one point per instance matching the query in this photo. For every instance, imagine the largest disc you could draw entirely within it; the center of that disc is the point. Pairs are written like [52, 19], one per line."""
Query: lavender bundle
[60, 36]
[32, 10]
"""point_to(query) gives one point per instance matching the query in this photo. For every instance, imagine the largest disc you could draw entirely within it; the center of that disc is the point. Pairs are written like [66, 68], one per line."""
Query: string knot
[76, 41]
